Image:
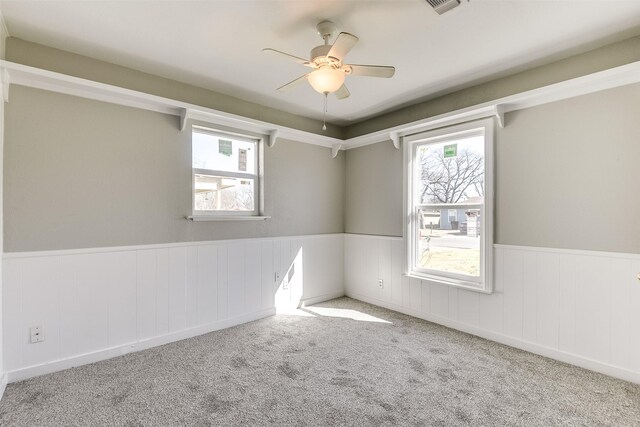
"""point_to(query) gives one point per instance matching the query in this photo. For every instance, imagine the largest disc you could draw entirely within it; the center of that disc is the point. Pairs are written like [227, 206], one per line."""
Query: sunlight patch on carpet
[345, 313]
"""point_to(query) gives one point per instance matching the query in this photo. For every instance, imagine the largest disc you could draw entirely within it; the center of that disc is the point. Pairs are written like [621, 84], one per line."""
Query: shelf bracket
[271, 140]
[500, 110]
[6, 81]
[184, 115]
[395, 138]
[335, 149]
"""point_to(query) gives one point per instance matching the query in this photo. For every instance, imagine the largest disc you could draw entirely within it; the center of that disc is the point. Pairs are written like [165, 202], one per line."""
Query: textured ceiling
[217, 44]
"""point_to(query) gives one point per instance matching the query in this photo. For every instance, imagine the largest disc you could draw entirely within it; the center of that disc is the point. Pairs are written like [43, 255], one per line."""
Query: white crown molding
[395, 139]
[500, 110]
[273, 136]
[184, 116]
[602, 80]
[24, 75]
[395, 133]
[6, 81]
[335, 149]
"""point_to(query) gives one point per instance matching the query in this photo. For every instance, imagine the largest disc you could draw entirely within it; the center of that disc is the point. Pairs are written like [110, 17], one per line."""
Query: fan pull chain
[324, 118]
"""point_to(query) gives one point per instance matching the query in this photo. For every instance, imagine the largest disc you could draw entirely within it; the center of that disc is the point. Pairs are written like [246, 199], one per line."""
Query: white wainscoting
[99, 303]
[579, 307]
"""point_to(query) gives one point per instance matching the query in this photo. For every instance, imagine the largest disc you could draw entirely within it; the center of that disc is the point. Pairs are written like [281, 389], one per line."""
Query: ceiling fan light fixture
[326, 79]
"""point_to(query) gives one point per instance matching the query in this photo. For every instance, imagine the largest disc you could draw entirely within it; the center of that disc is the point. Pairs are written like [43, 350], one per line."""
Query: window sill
[198, 218]
[470, 286]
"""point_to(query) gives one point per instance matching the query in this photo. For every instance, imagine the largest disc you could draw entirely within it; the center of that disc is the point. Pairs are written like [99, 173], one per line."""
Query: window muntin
[225, 174]
[449, 205]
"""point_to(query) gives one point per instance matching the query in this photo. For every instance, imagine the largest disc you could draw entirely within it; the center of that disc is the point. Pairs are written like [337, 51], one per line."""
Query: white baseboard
[3, 385]
[570, 358]
[108, 353]
[321, 298]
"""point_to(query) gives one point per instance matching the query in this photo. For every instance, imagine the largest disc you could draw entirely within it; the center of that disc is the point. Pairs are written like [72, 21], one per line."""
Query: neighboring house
[458, 219]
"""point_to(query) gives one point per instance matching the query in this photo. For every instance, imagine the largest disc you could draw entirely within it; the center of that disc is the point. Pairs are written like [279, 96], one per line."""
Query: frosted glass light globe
[326, 79]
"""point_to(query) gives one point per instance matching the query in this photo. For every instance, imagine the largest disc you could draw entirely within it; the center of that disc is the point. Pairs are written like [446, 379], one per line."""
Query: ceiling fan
[327, 62]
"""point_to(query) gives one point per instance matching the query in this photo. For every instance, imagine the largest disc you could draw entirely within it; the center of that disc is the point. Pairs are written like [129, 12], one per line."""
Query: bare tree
[239, 197]
[231, 198]
[452, 179]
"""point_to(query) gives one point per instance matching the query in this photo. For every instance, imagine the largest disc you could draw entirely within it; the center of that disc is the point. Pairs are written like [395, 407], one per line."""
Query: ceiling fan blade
[294, 58]
[343, 44]
[293, 84]
[342, 93]
[372, 70]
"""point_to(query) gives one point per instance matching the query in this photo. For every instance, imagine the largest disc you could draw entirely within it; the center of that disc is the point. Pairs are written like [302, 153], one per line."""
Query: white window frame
[258, 186]
[484, 283]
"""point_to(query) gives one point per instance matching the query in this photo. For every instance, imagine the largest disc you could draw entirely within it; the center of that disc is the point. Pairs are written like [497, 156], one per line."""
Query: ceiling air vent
[442, 6]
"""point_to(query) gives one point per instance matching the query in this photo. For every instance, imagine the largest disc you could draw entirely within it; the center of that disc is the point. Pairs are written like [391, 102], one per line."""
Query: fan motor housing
[319, 56]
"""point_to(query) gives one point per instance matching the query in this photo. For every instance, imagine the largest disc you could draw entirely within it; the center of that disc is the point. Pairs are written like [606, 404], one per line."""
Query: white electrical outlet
[380, 284]
[285, 284]
[37, 334]
[276, 277]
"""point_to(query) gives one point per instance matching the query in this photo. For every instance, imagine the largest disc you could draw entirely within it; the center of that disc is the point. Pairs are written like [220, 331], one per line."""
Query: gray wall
[568, 174]
[82, 173]
[374, 190]
[567, 177]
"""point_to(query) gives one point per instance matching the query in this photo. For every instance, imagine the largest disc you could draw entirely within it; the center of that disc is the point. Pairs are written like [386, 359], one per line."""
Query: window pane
[449, 240]
[223, 154]
[219, 193]
[450, 172]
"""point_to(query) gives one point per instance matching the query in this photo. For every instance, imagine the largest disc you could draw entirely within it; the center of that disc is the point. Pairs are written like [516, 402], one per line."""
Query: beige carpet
[342, 362]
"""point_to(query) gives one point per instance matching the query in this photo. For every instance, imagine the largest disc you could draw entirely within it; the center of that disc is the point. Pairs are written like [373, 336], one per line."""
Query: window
[449, 202]
[225, 174]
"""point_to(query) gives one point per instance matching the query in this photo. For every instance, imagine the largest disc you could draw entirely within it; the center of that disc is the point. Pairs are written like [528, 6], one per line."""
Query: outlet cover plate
[36, 334]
